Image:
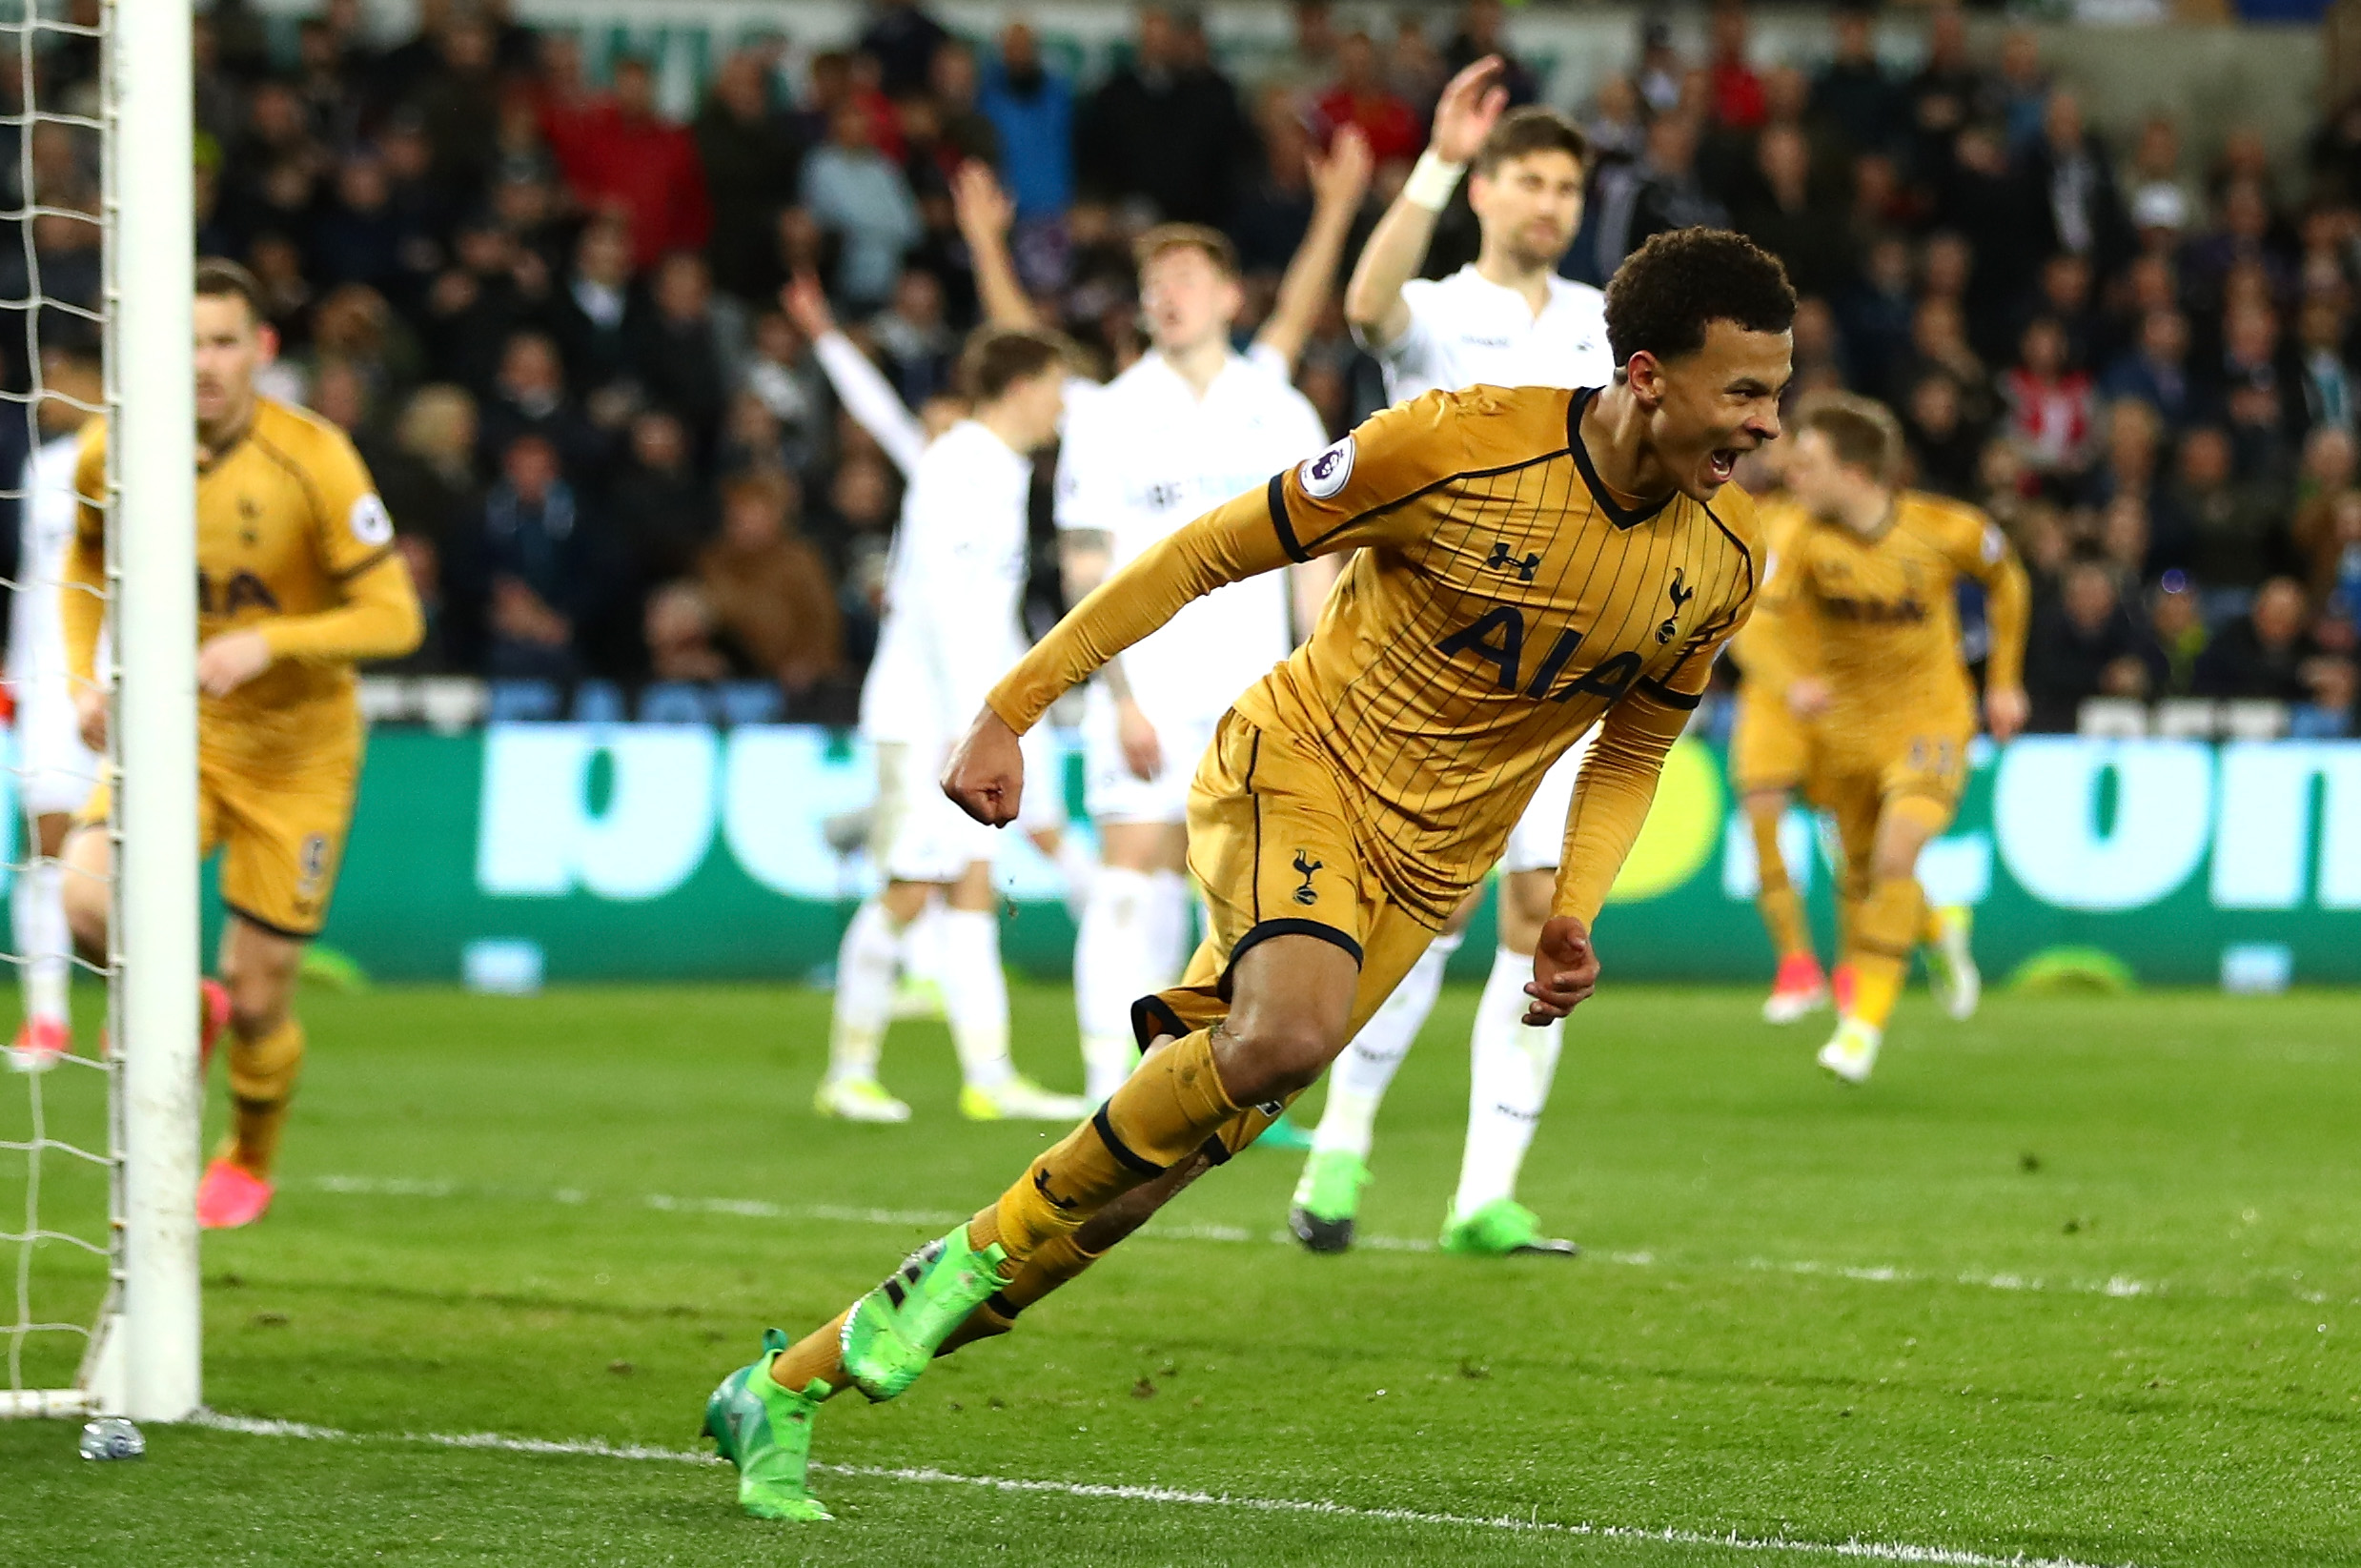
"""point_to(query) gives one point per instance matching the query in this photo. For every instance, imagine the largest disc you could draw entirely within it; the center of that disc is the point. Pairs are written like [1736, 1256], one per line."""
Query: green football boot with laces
[1326, 1196]
[1503, 1228]
[894, 1332]
[765, 1431]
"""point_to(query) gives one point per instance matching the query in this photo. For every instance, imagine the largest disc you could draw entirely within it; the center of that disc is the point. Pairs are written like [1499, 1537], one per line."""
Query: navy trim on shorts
[1151, 1016]
[261, 923]
[1215, 1150]
[1137, 1164]
[1265, 931]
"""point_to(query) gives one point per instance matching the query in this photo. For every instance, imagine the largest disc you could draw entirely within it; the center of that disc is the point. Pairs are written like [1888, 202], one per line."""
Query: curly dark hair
[1661, 298]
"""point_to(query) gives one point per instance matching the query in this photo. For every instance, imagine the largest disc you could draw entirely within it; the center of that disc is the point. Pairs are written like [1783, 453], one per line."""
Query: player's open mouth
[1721, 464]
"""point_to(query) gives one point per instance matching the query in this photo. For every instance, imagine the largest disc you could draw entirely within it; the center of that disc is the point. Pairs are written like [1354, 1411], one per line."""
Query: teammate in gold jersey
[1868, 585]
[1526, 562]
[1771, 756]
[296, 579]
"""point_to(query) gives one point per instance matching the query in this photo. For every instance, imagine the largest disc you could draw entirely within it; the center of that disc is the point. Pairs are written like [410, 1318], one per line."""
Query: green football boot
[1285, 1136]
[1502, 1228]
[765, 1431]
[1326, 1196]
[892, 1333]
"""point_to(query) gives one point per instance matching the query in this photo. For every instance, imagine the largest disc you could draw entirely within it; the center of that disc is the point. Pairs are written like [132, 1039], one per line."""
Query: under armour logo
[1041, 1185]
[1680, 596]
[1501, 561]
[1305, 865]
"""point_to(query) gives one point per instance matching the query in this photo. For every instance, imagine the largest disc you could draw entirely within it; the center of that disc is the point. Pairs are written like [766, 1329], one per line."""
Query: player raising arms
[1354, 796]
[1868, 581]
[953, 596]
[298, 578]
[1505, 319]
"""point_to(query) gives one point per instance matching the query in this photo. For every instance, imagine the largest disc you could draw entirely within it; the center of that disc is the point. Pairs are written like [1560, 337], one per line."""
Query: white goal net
[98, 1303]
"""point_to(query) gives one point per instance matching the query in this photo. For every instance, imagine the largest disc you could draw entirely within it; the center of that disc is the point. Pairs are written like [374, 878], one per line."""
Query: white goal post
[144, 1353]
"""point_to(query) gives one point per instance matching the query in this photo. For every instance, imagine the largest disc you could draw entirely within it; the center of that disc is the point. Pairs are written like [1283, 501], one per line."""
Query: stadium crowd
[551, 315]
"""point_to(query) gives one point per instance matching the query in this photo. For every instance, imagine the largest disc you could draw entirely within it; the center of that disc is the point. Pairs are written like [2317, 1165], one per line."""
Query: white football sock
[975, 993]
[44, 946]
[1077, 866]
[1356, 1084]
[1113, 960]
[864, 979]
[1169, 927]
[921, 945]
[1509, 1069]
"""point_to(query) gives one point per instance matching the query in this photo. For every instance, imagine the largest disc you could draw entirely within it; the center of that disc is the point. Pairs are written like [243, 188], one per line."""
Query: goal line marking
[1944, 1556]
[2117, 1285]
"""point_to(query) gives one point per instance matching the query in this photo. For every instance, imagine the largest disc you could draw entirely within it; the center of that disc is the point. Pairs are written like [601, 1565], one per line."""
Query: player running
[1356, 795]
[298, 578]
[1772, 750]
[55, 772]
[1869, 583]
[1505, 319]
[954, 593]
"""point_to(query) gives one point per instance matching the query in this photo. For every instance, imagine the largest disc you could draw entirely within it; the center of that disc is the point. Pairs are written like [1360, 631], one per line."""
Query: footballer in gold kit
[1867, 590]
[298, 578]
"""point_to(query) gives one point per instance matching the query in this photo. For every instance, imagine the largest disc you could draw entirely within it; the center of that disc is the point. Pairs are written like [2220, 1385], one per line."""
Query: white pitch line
[1943, 1556]
[2119, 1285]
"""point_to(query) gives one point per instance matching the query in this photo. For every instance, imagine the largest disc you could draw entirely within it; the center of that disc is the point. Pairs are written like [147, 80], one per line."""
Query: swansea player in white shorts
[1505, 319]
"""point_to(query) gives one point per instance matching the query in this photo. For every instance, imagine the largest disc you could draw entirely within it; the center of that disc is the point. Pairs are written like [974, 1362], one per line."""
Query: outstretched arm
[2006, 608]
[984, 213]
[1338, 183]
[1470, 106]
[859, 385]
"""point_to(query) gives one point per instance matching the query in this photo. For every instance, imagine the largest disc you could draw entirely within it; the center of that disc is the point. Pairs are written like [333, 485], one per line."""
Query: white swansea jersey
[36, 632]
[1467, 331]
[954, 590]
[1144, 455]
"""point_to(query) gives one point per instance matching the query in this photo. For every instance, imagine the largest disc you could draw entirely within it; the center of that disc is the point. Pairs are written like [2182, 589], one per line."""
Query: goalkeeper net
[60, 1187]
[98, 1304]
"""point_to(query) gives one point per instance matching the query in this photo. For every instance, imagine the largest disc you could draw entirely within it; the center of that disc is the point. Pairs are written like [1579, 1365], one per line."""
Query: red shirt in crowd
[1393, 129]
[642, 167]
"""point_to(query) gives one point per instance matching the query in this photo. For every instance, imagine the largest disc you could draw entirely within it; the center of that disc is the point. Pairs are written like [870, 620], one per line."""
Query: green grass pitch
[2075, 1280]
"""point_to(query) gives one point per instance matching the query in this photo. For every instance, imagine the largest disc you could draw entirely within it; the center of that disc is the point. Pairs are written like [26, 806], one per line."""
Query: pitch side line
[1943, 1556]
[2118, 1285]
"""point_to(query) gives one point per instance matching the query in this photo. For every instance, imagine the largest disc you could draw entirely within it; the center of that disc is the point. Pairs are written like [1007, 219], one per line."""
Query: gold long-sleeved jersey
[1767, 651]
[1501, 601]
[292, 541]
[1876, 618]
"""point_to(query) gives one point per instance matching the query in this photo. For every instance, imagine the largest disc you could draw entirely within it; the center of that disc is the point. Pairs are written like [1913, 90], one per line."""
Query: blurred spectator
[427, 472]
[915, 341]
[2130, 441]
[529, 397]
[1482, 32]
[1791, 220]
[620, 159]
[526, 576]
[592, 302]
[1362, 99]
[2156, 370]
[2176, 630]
[2326, 378]
[769, 589]
[662, 513]
[2052, 404]
[2263, 652]
[490, 292]
[954, 88]
[679, 627]
[1853, 92]
[2329, 541]
[2020, 90]
[751, 155]
[857, 193]
[2078, 211]
[903, 39]
[1944, 445]
[1033, 113]
[676, 349]
[1736, 92]
[1164, 130]
[2083, 643]
[457, 103]
[2228, 533]
[780, 375]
